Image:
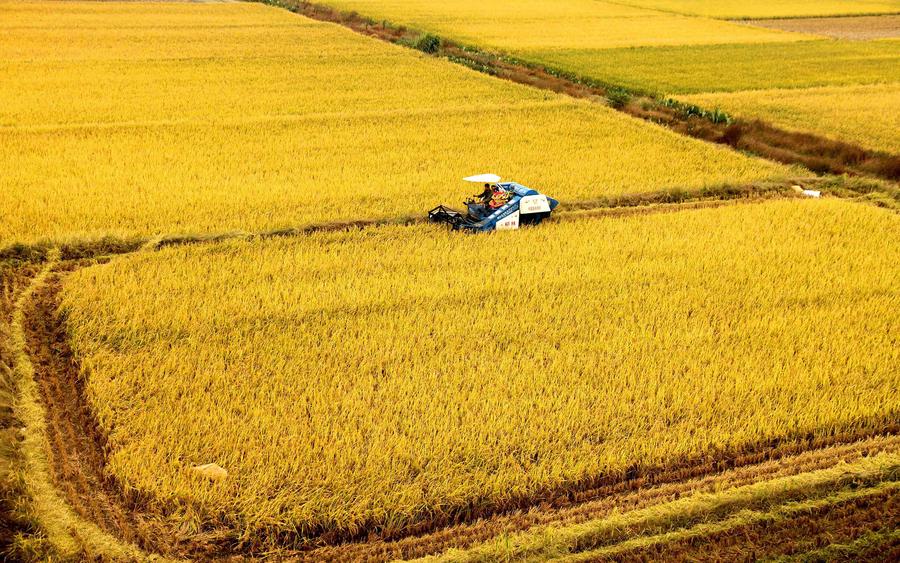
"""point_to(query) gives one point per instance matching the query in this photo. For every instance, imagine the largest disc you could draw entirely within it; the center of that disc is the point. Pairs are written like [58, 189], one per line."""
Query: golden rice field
[535, 25]
[658, 382]
[449, 372]
[673, 47]
[729, 68]
[131, 119]
[739, 9]
[866, 115]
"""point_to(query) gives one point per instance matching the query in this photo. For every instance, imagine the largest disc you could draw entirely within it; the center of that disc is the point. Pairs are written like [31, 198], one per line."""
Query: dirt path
[78, 445]
[12, 281]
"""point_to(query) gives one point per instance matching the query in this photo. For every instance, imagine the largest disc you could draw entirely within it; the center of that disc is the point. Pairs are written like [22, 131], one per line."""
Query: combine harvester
[501, 206]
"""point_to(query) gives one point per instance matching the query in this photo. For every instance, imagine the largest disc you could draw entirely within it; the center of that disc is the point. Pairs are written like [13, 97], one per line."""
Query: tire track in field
[771, 537]
[641, 495]
[78, 447]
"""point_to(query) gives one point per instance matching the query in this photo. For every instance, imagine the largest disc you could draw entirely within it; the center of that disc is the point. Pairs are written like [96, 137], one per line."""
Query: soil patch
[855, 28]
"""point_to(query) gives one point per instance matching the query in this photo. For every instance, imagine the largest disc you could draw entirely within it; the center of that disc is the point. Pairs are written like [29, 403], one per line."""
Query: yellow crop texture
[644, 49]
[867, 115]
[453, 371]
[568, 24]
[728, 68]
[770, 8]
[219, 117]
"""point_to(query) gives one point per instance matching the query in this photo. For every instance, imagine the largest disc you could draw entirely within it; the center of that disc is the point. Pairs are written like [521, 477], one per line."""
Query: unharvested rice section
[450, 376]
[865, 115]
[137, 119]
[682, 47]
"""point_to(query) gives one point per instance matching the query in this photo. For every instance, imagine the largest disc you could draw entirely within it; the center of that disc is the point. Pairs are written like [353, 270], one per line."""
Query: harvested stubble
[450, 374]
[859, 28]
[222, 117]
[697, 519]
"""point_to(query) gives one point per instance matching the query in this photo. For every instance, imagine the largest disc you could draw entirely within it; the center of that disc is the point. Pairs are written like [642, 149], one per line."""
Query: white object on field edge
[211, 471]
[812, 193]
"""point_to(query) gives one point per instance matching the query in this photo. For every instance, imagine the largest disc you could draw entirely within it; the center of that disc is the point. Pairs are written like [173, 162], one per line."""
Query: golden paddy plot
[456, 371]
[688, 69]
[645, 49]
[867, 115]
[520, 27]
[220, 117]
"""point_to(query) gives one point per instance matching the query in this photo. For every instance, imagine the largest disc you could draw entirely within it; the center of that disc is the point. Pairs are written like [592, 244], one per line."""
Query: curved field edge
[68, 535]
[84, 535]
[433, 519]
[697, 515]
[626, 497]
[71, 535]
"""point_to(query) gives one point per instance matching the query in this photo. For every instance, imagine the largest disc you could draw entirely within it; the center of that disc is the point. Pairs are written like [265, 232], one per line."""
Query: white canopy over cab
[483, 179]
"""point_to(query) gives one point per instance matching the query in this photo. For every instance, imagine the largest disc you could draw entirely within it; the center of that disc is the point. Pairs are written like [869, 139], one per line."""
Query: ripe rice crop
[521, 27]
[866, 115]
[451, 373]
[741, 9]
[221, 117]
[728, 68]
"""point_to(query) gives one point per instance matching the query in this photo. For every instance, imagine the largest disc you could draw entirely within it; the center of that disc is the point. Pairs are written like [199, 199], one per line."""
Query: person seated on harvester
[478, 204]
[499, 197]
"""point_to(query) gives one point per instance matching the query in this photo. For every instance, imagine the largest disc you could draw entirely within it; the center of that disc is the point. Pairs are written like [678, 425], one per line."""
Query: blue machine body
[510, 215]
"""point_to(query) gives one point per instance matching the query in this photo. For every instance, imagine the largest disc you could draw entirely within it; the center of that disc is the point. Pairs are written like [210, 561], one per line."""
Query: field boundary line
[470, 535]
[65, 530]
[815, 152]
[649, 202]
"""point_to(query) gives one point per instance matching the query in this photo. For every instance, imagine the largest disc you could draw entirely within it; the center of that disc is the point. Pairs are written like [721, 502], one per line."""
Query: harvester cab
[501, 206]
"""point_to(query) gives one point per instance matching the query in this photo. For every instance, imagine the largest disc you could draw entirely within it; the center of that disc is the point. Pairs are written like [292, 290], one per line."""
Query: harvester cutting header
[501, 206]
